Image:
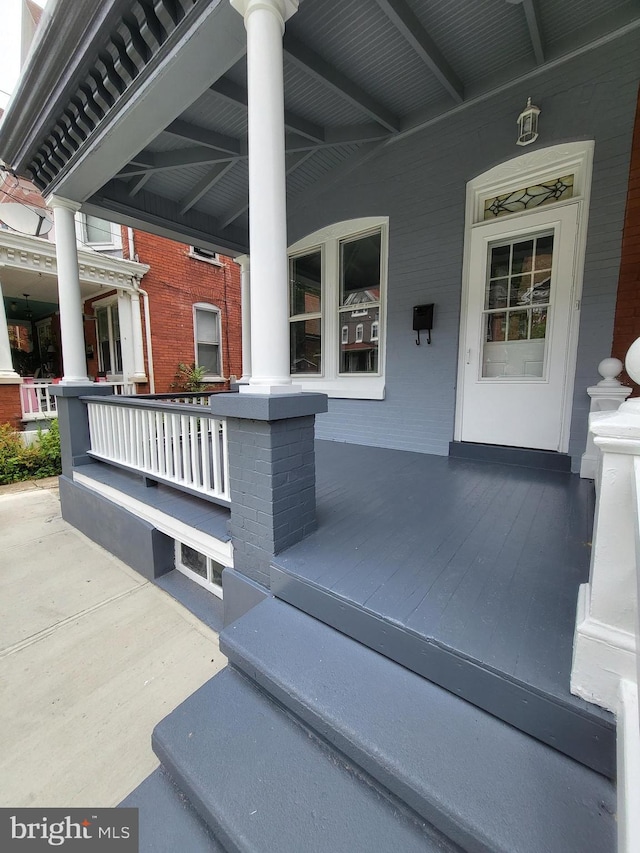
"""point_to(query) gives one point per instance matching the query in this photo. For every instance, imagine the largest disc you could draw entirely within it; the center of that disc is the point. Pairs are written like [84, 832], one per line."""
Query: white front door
[518, 318]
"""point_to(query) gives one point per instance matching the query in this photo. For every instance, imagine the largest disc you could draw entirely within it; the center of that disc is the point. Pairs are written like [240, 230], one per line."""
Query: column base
[10, 377]
[270, 389]
[603, 656]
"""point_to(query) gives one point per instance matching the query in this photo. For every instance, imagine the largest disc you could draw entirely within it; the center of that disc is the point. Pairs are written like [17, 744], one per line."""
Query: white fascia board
[19, 251]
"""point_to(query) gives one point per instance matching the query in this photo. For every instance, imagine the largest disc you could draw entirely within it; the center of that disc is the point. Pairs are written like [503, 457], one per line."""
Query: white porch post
[139, 374]
[69, 296]
[607, 396]
[245, 289]
[8, 376]
[264, 22]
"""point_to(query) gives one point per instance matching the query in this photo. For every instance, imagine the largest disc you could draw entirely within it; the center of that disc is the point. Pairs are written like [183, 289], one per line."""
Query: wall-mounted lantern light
[528, 124]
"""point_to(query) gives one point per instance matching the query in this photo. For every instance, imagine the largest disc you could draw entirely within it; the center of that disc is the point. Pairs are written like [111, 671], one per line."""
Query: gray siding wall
[420, 183]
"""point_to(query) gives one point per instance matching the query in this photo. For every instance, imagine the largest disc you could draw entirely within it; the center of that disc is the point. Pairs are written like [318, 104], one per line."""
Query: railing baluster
[182, 447]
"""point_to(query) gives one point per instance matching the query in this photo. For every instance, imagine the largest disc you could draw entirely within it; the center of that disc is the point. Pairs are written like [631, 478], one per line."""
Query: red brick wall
[174, 283]
[627, 320]
[10, 409]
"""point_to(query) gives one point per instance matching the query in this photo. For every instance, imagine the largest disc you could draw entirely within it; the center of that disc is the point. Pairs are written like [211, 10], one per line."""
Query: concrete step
[581, 731]
[166, 821]
[482, 783]
[261, 781]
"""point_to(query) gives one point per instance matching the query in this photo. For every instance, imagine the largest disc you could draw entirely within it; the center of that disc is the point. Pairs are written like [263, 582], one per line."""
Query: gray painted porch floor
[482, 558]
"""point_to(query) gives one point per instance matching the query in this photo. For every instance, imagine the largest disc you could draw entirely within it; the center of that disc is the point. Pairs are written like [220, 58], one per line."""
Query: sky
[10, 46]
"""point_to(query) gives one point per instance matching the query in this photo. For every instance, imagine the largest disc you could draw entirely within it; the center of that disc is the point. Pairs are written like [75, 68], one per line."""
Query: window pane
[209, 358]
[520, 291]
[207, 326]
[216, 572]
[518, 326]
[496, 293]
[97, 230]
[360, 270]
[306, 346]
[522, 257]
[305, 280]
[193, 560]
[360, 353]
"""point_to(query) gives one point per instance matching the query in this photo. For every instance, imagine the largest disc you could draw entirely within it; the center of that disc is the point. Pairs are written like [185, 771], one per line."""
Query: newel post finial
[632, 366]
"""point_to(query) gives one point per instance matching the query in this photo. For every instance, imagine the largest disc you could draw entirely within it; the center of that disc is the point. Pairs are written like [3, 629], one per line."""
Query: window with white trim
[207, 339]
[98, 233]
[109, 341]
[337, 294]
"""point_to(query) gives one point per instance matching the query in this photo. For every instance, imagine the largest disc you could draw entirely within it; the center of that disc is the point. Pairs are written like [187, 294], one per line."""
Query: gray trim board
[588, 738]
[240, 594]
[545, 460]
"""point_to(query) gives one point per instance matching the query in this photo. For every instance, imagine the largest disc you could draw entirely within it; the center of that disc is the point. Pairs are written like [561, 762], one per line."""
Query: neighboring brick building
[181, 277]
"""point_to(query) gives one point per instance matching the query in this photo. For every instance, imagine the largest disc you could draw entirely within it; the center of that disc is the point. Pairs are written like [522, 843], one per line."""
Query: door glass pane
[519, 276]
[103, 340]
[305, 282]
[306, 346]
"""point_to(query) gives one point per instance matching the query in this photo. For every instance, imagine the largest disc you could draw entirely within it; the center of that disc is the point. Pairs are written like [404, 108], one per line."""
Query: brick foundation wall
[10, 408]
[174, 283]
[627, 318]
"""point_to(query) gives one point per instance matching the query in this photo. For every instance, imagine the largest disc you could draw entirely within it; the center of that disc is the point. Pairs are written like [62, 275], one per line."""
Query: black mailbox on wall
[423, 321]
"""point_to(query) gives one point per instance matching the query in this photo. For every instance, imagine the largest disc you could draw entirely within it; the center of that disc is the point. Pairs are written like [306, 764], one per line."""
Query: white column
[69, 297]
[605, 642]
[607, 396]
[139, 374]
[244, 263]
[8, 376]
[264, 21]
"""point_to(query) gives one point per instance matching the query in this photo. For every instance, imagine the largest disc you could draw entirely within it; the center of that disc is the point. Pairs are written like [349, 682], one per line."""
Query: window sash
[207, 334]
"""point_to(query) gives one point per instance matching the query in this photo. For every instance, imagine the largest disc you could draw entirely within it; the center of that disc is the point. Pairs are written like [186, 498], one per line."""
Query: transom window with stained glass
[526, 198]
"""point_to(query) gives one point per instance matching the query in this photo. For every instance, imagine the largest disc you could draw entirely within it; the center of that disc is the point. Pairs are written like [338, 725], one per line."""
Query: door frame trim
[510, 175]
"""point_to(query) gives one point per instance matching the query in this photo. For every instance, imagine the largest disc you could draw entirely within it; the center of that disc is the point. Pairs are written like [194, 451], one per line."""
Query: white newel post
[69, 296]
[264, 22]
[604, 653]
[607, 396]
[139, 374]
[8, 376]
[244, 263]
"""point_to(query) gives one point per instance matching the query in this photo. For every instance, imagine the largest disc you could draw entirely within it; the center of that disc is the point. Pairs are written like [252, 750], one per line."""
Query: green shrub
[189, 378]
[39, 459]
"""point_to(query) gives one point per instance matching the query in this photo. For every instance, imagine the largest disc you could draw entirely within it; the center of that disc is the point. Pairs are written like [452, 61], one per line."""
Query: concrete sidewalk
[92, 656]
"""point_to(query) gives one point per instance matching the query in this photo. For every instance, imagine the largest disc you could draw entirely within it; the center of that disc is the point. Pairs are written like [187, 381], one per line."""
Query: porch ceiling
[147, 125]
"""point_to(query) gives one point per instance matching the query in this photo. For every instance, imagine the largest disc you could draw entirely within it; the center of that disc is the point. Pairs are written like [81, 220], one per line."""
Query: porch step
[261, 781]
[581, 731]
[523, 456]
[167, 822]
[483, 784]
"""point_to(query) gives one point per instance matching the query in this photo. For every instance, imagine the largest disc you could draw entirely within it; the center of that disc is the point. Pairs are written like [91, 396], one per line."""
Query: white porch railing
[181, 445]
[39, 404]
[606, 667]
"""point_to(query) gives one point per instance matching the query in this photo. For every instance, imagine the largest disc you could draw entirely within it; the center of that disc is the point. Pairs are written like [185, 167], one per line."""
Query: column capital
[284, 9]
[243, 261]
[55, 201]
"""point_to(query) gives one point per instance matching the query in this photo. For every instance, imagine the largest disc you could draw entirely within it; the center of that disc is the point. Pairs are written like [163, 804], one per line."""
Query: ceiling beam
[139, 184]
[203, 136]
[212, 177]
[149, 162]
[294, 162]
[532, 14]
[323, 71]
[409, 26]
[237, 95]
